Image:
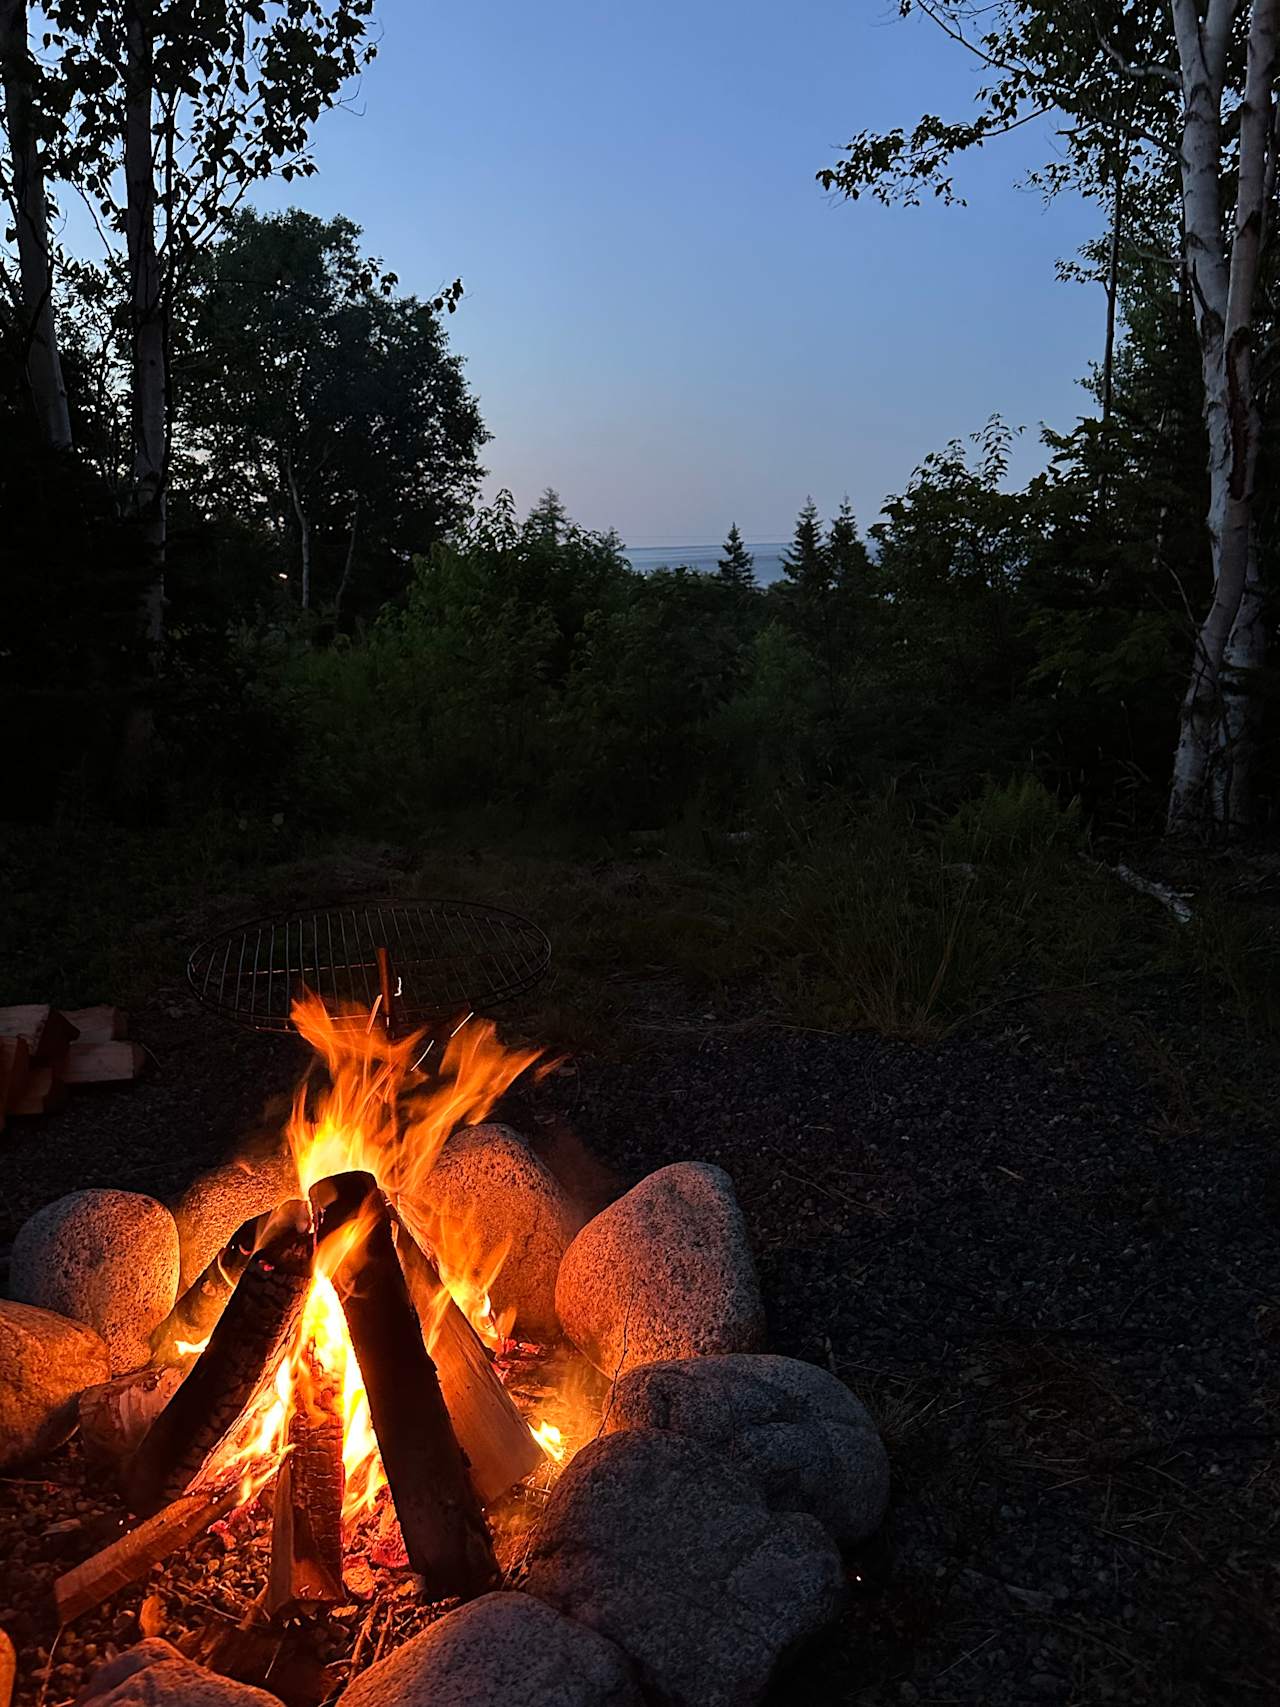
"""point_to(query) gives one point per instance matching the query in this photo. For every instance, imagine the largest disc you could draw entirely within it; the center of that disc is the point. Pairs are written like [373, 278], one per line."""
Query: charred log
[444, 1531]
[195, 1315]
[252, 1334]
[306, 1530]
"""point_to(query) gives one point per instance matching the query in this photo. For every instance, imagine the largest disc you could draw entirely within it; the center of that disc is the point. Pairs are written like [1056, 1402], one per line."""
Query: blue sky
[665, 317]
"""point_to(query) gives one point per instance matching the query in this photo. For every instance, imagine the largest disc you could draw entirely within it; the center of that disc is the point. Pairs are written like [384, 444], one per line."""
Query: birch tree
[1189, 85]
[185, 104]
[1222, 250]
[25, 184]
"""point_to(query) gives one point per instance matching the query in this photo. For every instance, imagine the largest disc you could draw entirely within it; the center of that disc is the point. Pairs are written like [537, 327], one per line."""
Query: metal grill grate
[451, 958]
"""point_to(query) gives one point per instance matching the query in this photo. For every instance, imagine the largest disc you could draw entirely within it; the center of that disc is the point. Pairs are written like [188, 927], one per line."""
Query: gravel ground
[1064, 1313]
[1067, 1322]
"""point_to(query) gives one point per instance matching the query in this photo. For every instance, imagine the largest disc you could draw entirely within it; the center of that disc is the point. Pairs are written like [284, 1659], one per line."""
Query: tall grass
[905, 922]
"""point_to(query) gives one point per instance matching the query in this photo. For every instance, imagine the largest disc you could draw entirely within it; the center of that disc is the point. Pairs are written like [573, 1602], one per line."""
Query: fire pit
[353, 1384]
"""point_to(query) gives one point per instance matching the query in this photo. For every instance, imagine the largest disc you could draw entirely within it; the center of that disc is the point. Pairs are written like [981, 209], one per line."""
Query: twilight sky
[665, 317]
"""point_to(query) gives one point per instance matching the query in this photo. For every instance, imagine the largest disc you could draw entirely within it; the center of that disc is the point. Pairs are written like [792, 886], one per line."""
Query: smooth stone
[651, 1541]
[794, 1430]
[155, 1674]
[487, 1190]
[665, 1272]
[108, 1258]
[213, 1208]
[503, 1650]
[45, 1361]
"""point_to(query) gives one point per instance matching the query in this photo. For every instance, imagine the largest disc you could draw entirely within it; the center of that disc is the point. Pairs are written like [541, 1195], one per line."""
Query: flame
[377, 1114]
[550, 1439]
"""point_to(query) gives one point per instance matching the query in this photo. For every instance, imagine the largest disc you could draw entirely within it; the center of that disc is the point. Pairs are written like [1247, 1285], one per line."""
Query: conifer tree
[548, 518]
[737, 566]
[805, 564]
[846, 553]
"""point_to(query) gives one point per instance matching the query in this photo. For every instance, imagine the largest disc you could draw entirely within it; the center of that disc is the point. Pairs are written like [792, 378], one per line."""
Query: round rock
[45, 1361]
[108, 1258]
[155, 1674]
[651, 1541]
[488, 1191]
[213, 1208]
[795, 1431]
[665, 1272]
[503, 1650]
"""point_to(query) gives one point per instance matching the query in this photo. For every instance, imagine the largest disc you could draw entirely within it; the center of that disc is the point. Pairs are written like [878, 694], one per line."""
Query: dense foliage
[347, 639]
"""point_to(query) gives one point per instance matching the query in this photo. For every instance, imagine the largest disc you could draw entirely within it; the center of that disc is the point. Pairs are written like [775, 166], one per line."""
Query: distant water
[768, 565]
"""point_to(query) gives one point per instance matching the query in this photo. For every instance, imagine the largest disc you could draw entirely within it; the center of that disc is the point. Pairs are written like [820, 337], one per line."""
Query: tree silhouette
[737, 566]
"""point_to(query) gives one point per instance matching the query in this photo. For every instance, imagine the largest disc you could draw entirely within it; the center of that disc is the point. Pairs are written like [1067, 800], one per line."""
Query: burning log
[497, 1442]
[443, 1528]
[133, 1555]
[195, 1315]
[306, 1530]
[252, 1334]
[8, 1669]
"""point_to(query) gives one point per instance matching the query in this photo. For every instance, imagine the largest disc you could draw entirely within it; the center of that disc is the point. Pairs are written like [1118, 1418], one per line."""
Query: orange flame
[377, 1114]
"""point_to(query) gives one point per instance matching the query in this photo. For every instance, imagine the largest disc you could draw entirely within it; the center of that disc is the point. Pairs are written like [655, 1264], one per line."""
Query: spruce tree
[737, 566]
[846, 553]
[548, 518]
[805, 564]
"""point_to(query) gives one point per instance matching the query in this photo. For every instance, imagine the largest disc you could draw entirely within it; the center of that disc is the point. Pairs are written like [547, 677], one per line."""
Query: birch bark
[304, 529]
[1223, 279]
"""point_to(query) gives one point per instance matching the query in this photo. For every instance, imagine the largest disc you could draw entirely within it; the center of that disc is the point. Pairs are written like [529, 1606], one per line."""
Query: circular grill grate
[450, 957]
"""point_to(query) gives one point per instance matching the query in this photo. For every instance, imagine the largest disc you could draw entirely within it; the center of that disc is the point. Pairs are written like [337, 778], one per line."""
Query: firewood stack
[44, 1050]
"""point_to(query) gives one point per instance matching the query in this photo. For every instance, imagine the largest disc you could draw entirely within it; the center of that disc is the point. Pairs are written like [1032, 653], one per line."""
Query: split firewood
[106, 1063]
[115, 1415]
[98, 1025]
[133, 1555]
[47, 1032]
[306, 1530]
[444, 1531]
[253, 1333]
[497, 1442]
[42, 1093]
[15, 1067]
[8, 1669]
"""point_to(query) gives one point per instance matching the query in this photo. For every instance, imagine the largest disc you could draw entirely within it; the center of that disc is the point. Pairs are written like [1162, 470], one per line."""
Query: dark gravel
[1067, 1321]
[1064, 1312]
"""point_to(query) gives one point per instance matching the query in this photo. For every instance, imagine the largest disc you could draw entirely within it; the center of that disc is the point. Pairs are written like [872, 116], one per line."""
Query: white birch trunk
[351, 557]
[1243, 660]
[304, 530]
[150, 378]
[30, 213]
[1223, 284]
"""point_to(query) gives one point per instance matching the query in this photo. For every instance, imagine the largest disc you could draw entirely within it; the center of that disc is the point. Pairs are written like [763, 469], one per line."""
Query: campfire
[418, 1374]
[353, 1372]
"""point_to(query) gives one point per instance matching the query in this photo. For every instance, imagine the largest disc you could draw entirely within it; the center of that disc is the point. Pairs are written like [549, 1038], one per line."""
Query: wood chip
[152, 1617]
